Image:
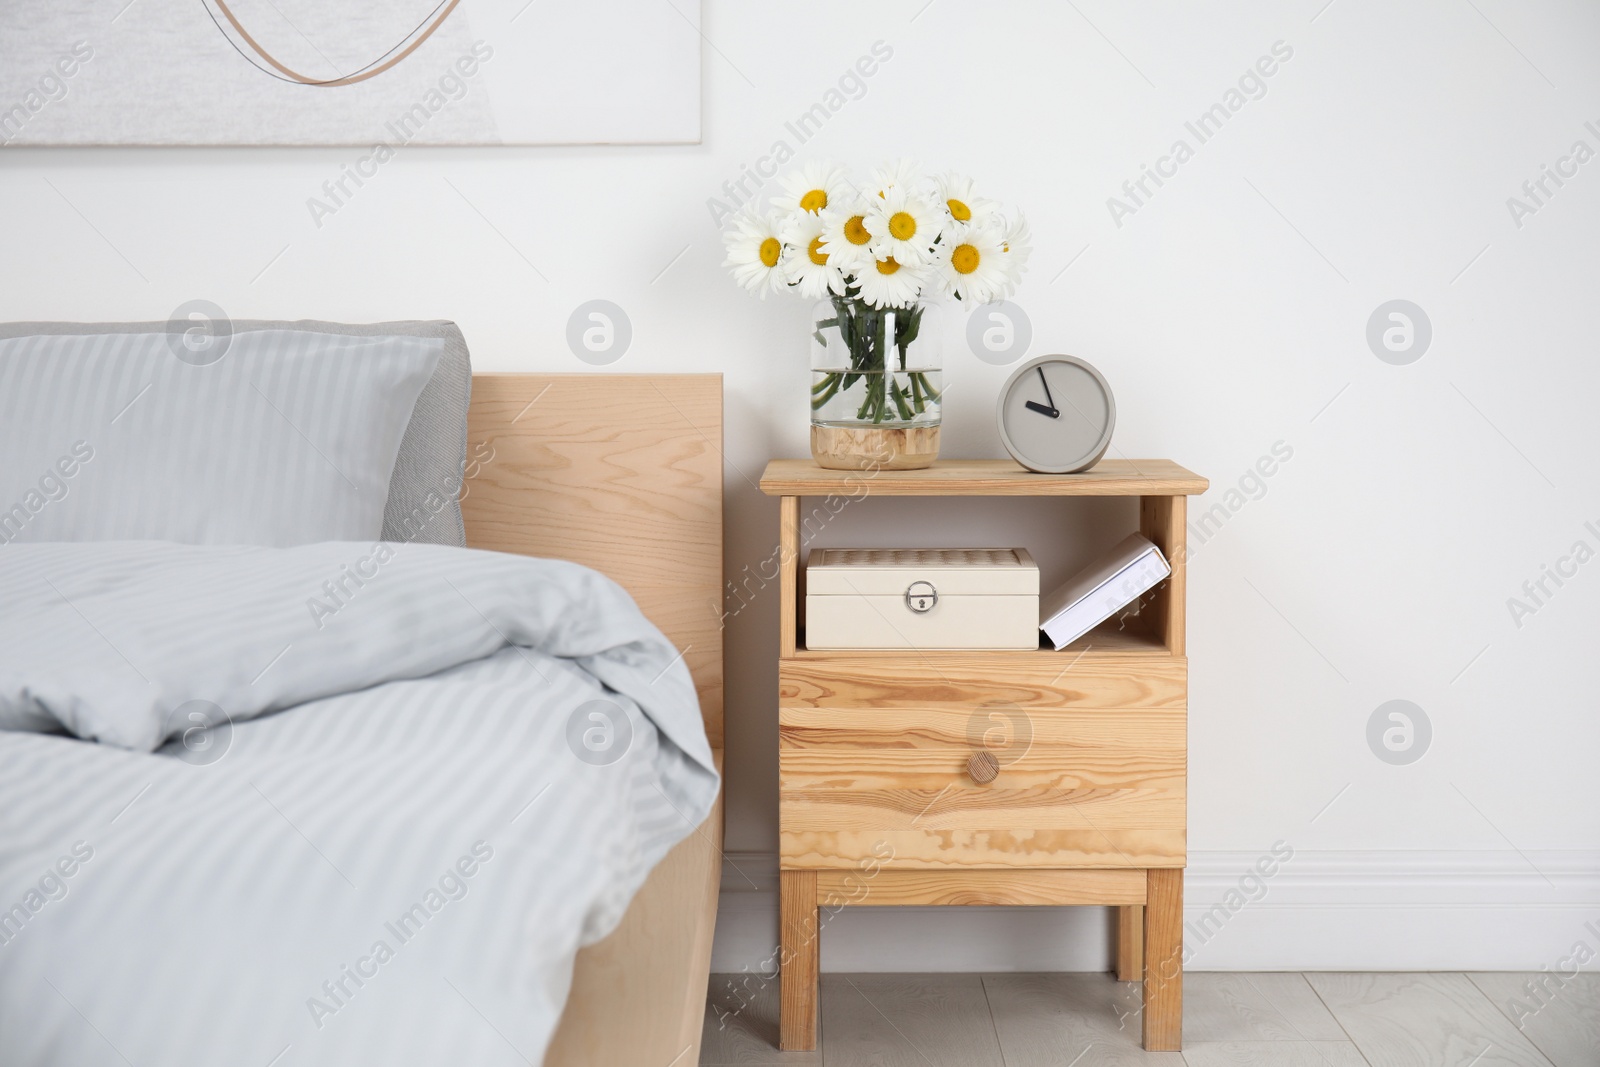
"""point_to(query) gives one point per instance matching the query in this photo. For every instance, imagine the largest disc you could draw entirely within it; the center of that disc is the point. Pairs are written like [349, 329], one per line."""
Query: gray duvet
[336, 804]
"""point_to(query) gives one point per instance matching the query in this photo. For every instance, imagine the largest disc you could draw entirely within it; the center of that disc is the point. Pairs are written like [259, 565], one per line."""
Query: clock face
[1056, 415]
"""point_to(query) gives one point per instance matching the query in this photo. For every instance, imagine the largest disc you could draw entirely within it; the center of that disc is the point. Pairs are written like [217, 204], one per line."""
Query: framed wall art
[356, 72]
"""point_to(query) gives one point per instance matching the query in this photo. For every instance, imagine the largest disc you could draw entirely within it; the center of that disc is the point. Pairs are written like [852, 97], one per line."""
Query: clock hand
[1047, 395]
[1034, 405]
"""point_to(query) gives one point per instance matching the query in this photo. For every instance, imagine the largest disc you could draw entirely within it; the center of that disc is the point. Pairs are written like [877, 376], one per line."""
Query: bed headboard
[619, 472]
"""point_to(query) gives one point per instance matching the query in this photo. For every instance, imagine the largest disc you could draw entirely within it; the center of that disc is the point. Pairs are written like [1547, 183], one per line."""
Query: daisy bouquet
[875, 256]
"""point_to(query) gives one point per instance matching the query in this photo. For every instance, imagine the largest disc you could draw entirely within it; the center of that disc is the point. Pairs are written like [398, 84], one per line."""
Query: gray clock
[1056, 415]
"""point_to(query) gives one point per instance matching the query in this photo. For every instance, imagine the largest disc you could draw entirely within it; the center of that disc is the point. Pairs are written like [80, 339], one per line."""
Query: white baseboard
[1319, 911]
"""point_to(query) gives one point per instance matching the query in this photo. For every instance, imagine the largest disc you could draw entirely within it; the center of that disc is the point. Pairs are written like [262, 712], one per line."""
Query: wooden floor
[1229, 1020]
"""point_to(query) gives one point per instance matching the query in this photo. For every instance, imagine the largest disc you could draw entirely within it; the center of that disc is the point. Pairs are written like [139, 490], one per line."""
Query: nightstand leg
[1163, 960]
[797, 1003]
[1130, 943]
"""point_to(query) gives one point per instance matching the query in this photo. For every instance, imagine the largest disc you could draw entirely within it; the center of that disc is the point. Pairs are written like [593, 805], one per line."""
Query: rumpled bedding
[335, 804]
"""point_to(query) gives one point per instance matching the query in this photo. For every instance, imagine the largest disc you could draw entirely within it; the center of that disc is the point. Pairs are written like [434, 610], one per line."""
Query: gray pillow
[262, 436]
[424, 502]
[425, 489]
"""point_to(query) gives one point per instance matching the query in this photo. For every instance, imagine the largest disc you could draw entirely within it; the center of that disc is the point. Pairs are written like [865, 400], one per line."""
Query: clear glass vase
[876, 386]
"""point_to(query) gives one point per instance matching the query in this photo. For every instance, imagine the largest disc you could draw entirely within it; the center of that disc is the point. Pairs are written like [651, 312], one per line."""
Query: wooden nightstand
[876, 802]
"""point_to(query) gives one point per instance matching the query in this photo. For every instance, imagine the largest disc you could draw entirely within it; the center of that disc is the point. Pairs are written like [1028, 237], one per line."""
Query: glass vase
[876, 386]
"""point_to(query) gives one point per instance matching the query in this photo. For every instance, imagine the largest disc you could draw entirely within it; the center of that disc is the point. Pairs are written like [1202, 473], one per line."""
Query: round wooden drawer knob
[982, 767]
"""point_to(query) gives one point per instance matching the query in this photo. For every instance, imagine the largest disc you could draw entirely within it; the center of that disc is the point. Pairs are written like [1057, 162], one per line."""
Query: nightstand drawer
[1077, 787]
[1026, 679]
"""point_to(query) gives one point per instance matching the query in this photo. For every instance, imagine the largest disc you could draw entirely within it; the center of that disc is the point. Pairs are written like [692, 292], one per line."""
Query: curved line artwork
[407, 45]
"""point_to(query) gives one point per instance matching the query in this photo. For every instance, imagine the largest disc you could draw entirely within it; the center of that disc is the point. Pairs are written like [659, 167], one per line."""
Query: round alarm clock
[1056, 415]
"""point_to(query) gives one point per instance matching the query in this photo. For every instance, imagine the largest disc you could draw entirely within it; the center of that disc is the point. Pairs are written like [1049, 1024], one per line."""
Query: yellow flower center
[902, 227]
[819, 257]
[769, 251]
[856, 233]
[964, 259]
[814, 200]
[959, 211]
[887, 266]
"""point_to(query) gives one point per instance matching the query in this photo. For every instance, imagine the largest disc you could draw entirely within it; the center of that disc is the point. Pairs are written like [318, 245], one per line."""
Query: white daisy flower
[960, 197]
[806, 267]
[845, 239]
[901, 174]
[904, 225]
[755, 252]
[887, 283]
[976, 269]
[813, 189]
[1018, 247]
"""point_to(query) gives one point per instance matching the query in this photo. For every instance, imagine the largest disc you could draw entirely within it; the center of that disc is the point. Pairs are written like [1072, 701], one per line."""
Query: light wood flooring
[1229, 1020]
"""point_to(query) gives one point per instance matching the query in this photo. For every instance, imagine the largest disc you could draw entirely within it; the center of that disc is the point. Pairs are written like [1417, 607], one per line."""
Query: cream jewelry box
[922, 598]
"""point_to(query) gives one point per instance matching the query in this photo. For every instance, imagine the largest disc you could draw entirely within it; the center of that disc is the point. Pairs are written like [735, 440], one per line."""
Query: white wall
[1229, 313]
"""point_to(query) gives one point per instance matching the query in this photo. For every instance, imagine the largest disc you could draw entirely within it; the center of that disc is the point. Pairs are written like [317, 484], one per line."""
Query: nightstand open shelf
[878, 805]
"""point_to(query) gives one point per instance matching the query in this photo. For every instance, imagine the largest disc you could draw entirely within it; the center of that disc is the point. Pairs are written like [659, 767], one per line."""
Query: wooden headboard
[619, 472]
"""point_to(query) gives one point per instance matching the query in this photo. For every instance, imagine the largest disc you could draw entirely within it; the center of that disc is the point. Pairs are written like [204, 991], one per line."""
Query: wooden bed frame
[623, 473]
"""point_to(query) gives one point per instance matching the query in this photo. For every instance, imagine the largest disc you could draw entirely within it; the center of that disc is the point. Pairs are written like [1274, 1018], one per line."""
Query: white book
[1100, 590]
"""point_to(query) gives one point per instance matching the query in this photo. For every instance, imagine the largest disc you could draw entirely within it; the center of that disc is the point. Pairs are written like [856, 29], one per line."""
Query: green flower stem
[831, 386]
[899, 395]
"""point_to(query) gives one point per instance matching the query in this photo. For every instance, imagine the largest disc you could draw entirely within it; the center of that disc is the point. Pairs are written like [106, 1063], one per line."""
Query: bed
[174, 910]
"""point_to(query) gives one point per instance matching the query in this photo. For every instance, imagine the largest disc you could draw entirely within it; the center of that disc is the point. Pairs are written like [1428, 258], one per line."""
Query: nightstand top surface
[985, 477]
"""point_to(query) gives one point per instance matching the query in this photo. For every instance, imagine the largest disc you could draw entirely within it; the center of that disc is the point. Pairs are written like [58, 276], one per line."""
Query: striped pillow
[289, 437]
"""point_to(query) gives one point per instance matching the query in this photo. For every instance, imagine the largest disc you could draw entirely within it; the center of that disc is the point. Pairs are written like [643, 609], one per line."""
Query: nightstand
[880, 801]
